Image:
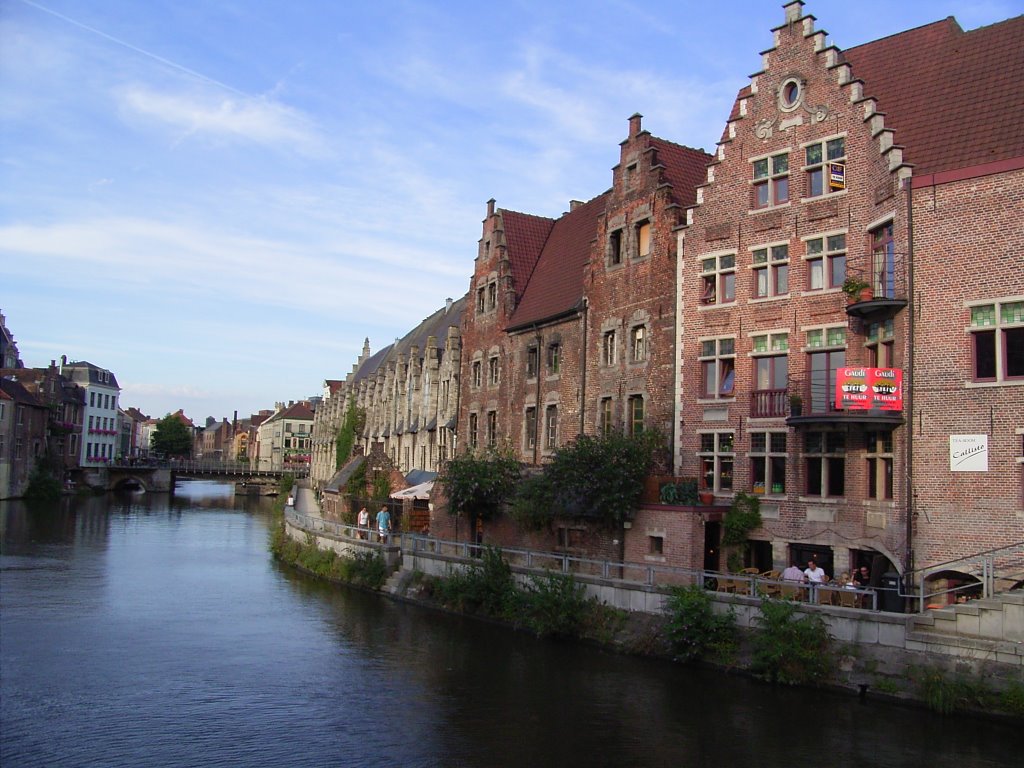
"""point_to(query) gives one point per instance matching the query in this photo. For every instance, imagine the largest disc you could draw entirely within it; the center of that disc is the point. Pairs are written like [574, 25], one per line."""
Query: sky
[219, 200]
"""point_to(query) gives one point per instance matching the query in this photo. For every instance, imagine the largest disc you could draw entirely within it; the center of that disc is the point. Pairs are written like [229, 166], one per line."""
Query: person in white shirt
[793, 573]
[814, 574]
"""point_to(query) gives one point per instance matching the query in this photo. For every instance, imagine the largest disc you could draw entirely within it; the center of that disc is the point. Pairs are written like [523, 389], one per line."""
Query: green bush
[695, 630]
[486, 588]
[553, 604]
[1012, 699]
[790, 650]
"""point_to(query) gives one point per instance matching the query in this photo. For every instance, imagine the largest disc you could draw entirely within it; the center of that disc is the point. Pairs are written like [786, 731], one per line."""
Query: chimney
[574, 204]
[490, 207]
[447, 305]
[634, 124]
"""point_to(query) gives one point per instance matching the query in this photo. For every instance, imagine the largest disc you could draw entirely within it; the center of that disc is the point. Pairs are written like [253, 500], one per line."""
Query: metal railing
[650, 576]
[207, 467]
[1002, 563]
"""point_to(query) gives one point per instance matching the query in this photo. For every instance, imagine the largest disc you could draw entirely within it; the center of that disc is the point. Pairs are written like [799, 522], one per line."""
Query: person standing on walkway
[363, 521]
[383, 524]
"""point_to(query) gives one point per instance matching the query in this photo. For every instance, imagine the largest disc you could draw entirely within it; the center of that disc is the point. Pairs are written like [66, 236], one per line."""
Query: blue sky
[219, 200]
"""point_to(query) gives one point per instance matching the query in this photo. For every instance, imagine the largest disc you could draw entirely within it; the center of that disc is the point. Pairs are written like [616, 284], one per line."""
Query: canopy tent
[421, 491]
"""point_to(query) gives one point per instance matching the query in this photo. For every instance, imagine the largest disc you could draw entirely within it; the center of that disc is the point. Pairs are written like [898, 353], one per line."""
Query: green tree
[172, 437]
[479, 484]
[600, 478]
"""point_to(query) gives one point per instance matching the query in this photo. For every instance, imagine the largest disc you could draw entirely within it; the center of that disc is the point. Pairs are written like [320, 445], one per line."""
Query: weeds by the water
[695, 630]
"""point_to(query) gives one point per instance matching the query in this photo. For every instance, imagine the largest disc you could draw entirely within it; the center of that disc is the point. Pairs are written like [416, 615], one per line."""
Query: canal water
[156, 631]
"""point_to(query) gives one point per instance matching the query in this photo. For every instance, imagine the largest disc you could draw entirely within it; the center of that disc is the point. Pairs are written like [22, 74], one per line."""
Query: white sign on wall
[968, 453]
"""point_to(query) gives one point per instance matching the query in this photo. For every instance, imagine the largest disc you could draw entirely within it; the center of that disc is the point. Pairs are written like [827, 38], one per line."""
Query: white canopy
[421, 491]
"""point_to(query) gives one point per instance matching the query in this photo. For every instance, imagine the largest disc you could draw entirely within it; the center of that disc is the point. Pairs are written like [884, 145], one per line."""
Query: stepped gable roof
[952, 97]
[556, 286]
[525, 236]
[685, 168]
[436, 325]
[333, 385]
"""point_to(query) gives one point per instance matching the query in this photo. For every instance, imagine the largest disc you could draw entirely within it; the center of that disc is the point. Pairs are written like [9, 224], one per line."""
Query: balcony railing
[768, 403]
[813, 401]
[885, 273]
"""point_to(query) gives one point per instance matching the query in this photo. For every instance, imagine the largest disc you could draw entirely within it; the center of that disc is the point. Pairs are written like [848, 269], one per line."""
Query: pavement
[305, 500]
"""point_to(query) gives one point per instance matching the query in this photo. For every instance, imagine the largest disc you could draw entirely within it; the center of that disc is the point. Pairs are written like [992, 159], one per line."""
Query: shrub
[794, 651]
[553, 604]
[694, 629]
[486, 588]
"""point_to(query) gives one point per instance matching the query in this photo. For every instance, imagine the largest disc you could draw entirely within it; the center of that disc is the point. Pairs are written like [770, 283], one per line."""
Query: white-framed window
[997, 340]
[879, 455]
[608, 348]
[494, 370]
[477, 376]
[717, 456]
[770, 266]
[825, 463]
[817, 157]
[492, 295]
[718, 279]
[880, 340]
[636, 414]
[554, 361]
[532, 354]
[826, 261]
[550, 427]
[643, 239]
[530, 427]
[638, 343]
[605, 422]
[474, 427]
[770, 180]
[718, 367]
[771, 375]
[492, 428]
[768, 462]
[826, 354]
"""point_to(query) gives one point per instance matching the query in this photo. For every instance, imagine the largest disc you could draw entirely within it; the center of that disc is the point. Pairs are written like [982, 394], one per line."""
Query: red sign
[869, 389]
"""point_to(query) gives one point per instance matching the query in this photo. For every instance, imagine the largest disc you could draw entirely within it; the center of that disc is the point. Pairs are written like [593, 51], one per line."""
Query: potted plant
[856, 289]
[796, 404]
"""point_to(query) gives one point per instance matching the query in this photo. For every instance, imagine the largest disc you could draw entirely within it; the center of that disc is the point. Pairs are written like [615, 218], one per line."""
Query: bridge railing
[190, 466]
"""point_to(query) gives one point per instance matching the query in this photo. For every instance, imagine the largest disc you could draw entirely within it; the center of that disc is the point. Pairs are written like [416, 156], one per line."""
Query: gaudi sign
[867, 389]
[968, 453]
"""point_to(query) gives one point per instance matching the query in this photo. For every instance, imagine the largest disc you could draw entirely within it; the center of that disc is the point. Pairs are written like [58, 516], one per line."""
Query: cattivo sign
[968, 453]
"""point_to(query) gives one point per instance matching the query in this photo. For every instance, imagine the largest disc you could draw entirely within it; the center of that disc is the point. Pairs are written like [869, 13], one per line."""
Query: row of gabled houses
[826, 312]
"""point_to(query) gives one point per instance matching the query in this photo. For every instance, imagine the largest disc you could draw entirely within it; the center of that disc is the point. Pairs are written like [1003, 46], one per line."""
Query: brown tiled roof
[953, 98]
[556, 285]
[525, 236]
[685, 168]
[297, 411]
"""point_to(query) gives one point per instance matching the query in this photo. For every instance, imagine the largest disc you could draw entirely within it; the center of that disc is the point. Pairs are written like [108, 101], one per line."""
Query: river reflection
[144, 630]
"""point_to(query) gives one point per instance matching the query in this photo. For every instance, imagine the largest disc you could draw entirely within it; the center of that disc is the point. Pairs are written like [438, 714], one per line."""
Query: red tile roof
[685, 168]
[556, 285]
[953, 98]
[525, 236]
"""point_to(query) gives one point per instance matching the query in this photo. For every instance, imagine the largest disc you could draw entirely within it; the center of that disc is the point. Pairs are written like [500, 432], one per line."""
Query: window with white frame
[771, 180]
[718, 279]
[717, 455]
[771, 375]
[638, 343]
[643, 239]
[636, 414]
[826, 261]
[880, 344]
[817, 157]
[550, 427]
[492, 295]
[879, 456]
[825, 462]
[605, 419]
[826, 354]
[473, 428]
[997, 341]
[530, 427]
[477, 374]
[608, 348]
[532, 361]
[768, 462]
[481, 300]
[494, 371]
[492, 428]
[554, 358]
[771, 271]
[718, 367]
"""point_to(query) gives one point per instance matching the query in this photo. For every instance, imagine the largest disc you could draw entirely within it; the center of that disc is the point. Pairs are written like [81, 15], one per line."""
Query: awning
[421, 491]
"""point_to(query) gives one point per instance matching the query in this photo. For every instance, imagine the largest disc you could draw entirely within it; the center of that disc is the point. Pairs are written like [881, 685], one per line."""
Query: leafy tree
[479, 484]
[351, 426]
[600, 478]
[172, 437]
